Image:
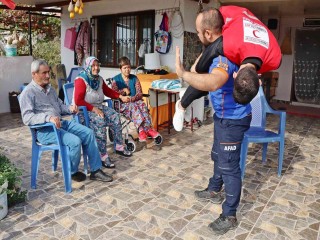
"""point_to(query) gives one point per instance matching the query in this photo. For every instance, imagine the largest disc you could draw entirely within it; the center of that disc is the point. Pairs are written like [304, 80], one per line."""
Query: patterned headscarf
[92, 80]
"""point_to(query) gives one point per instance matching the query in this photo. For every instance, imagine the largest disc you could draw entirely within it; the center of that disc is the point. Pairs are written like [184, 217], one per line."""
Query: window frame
[96, 33]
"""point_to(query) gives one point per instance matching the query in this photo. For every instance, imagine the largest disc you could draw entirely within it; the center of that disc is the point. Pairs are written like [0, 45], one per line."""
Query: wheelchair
[131, 141]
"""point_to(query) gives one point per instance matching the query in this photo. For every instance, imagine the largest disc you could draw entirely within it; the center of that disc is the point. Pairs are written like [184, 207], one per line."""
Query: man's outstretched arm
[204, 82]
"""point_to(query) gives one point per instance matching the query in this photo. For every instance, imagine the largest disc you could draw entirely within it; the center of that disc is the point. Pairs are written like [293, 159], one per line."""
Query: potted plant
[10, 184]
[3, 198]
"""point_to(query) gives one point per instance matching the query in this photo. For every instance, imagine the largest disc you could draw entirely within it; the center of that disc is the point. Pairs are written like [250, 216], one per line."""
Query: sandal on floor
[108, 165]
[125, 153]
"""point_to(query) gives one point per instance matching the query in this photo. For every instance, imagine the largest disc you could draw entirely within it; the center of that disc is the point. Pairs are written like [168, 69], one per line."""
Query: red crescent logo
[255, 33]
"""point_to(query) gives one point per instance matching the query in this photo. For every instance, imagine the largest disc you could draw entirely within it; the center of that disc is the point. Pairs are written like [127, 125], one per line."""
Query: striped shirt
[38, 104]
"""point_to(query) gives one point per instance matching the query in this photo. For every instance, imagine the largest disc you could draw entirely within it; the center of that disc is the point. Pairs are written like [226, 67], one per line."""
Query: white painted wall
[283, 91]
[14, 71]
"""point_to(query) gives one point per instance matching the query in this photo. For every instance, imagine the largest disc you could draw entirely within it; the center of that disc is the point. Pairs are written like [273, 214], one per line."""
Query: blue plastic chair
[258, 133]
[74, 72]
[68, 89]
[38, 148]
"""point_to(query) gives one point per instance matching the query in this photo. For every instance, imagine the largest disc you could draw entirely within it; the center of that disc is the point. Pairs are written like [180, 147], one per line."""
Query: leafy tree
[45, 33]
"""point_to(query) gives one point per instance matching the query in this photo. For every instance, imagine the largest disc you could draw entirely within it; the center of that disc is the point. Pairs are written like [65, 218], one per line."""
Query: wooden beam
[61, 3]
[32, 9]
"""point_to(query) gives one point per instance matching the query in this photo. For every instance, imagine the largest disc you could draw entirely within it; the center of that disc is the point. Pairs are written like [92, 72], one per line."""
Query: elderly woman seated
[89, 91]
[134, 108]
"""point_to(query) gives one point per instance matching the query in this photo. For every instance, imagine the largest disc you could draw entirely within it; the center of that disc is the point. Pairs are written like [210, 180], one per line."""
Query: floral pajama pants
[98, 125]
[138, 113]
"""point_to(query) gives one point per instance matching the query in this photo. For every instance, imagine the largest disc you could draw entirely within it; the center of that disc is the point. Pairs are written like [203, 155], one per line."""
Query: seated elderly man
[40, 104]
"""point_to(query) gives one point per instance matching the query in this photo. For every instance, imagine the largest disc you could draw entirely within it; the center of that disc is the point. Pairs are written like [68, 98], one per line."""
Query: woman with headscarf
[89, 91]
[129, 85]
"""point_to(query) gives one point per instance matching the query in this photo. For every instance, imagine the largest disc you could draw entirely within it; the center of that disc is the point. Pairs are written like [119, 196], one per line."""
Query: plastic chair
[38, 148]
[74, 72]
[68, 89]
[258, 133]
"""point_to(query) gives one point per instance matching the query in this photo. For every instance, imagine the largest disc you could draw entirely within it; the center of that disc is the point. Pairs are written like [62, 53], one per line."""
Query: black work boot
[223, 224]
[99, 175]
[206, 195]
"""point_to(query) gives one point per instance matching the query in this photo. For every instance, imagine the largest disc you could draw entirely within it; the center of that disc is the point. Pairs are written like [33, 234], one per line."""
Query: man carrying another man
[231, 119]
[245, 40]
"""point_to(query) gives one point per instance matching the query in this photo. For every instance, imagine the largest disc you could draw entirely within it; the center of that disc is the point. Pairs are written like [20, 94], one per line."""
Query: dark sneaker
[99, 175]
[206, 195]
[223, 224]
[78, 177]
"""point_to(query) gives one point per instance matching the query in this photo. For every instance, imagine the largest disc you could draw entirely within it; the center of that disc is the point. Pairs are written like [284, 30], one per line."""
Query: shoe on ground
[178, 118]
[206, 195]
[153, 133]
[78, 177]
[108, 164]
[125, 153]
[142, 136]
[223, 224]
[99, 175]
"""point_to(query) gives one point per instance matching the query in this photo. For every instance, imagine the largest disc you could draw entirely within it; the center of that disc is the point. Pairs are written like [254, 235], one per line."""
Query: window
[120, 35]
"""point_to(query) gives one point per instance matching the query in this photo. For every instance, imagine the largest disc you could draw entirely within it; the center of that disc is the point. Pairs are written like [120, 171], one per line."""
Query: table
[163, 111]
[170, 93]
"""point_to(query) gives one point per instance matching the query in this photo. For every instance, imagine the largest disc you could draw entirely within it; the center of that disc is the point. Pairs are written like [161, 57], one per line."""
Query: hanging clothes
[82, 46]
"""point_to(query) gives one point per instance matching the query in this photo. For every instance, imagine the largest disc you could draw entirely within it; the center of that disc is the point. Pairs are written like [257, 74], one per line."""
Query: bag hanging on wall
[163, 37]
[70, 38]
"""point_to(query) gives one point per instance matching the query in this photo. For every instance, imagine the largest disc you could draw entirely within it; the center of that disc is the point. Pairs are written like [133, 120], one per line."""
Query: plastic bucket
[4, 205]
[11, 50]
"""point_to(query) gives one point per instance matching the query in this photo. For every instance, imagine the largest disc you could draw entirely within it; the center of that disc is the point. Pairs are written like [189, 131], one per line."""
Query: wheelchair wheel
[158, 140]
[131, 146]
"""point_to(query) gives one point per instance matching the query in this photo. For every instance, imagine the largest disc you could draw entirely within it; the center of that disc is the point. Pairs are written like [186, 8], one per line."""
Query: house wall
[11, 79]
[188, 8]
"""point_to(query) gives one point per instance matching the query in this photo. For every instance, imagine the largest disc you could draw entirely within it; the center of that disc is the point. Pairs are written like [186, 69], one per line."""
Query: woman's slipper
[106, 162]
[125, 153]
[108, 165]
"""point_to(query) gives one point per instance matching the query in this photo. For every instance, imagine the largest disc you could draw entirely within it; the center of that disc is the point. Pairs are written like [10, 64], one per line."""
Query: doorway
[306, 66]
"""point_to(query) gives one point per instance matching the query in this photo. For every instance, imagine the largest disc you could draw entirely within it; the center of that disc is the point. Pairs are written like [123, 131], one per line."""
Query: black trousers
[190, 95]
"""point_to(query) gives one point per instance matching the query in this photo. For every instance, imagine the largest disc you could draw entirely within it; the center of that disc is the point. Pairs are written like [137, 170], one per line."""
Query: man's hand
[98, 112]
[74, 109]
[127, 91]
[179, 68]
[55, 121]
[125, 98]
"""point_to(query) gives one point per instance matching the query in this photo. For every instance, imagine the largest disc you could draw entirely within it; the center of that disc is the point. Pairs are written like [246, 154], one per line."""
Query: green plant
[10, 173]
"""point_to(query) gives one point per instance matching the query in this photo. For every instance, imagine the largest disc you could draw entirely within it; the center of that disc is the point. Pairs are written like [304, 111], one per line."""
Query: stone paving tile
[152, 196]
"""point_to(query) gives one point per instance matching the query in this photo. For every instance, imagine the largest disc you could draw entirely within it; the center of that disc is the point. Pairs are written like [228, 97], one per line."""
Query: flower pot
[3, 205]
[11, 50]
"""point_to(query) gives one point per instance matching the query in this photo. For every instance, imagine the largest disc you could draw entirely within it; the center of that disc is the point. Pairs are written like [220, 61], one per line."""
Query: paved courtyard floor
[152, 194]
